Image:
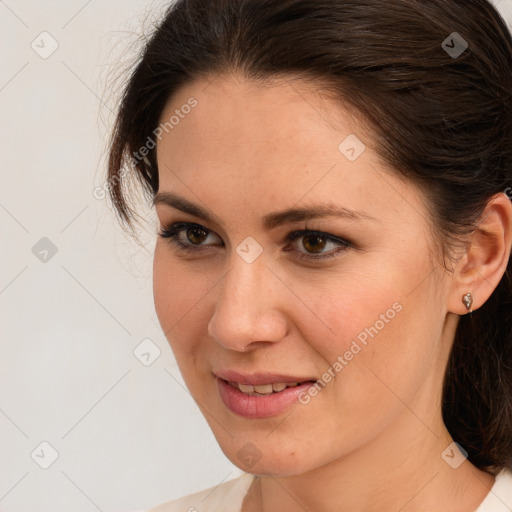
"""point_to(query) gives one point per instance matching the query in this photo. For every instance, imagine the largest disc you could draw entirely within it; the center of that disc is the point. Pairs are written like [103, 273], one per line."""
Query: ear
[482, 266]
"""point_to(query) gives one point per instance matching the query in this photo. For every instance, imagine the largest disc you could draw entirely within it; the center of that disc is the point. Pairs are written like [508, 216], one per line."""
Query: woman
[332, 181]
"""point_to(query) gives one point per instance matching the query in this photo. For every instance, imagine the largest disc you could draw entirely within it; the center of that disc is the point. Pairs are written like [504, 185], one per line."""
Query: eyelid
[172, 231]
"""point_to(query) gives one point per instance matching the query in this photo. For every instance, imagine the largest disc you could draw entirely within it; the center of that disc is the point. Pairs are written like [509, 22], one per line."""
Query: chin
[269, 464]
[260, 456]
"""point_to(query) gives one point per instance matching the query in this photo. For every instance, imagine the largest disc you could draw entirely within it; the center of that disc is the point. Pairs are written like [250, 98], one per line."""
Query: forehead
[240, 112]
[253, 146]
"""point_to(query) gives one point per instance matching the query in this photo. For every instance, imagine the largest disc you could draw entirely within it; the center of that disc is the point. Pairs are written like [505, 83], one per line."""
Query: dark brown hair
[441, 120]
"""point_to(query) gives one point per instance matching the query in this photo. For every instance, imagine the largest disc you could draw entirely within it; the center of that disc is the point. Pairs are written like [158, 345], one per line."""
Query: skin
[372, 439]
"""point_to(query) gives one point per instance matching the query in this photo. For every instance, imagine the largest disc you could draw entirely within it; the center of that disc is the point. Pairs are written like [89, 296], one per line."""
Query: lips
[262, 379]
[260, 395]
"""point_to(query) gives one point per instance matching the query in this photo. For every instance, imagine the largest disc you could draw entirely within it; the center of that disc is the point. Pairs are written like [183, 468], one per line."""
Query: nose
[248, 312]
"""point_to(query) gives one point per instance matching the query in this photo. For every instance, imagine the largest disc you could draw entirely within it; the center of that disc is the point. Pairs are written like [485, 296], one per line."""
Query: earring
[468, 301]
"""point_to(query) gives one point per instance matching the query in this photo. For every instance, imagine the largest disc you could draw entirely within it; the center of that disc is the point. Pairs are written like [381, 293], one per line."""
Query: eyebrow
[269, 221]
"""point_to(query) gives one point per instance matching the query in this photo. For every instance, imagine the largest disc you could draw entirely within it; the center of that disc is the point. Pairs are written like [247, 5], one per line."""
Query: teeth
[245, 388]
[265, 389]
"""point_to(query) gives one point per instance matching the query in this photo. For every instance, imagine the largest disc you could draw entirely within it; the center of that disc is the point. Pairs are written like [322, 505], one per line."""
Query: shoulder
[499, 498]
[228, 495]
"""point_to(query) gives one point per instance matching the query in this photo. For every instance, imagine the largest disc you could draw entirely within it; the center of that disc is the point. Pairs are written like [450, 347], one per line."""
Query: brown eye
[188, 236]
[314, 243]
[199, 235]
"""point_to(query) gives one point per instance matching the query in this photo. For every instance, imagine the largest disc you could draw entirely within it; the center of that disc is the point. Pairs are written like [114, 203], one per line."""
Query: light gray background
[128, 436]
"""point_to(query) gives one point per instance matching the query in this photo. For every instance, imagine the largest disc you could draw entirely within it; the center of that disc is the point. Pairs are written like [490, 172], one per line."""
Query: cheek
[352, 306]
[179, 298]
[164, 280]
[376, 337]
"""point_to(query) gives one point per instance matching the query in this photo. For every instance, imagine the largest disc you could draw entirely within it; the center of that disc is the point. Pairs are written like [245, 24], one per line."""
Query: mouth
[260, 395]
[265, 389]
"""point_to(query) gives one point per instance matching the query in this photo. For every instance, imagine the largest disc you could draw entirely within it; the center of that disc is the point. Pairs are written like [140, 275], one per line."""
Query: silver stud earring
[468, 301]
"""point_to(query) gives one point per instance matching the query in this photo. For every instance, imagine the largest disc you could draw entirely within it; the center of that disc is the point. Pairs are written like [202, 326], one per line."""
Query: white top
[228, 497]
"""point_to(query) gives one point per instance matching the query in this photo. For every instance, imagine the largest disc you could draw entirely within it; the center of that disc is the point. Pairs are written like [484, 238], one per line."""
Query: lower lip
[264, 406]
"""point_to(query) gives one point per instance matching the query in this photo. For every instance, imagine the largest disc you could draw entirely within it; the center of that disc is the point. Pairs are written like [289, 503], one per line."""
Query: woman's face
[248, 304]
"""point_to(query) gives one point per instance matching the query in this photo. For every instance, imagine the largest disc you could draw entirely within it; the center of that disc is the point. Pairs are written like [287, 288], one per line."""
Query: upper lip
[259, 379]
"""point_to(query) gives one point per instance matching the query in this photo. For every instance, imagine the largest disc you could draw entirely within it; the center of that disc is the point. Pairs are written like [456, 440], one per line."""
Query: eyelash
[171, 233]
